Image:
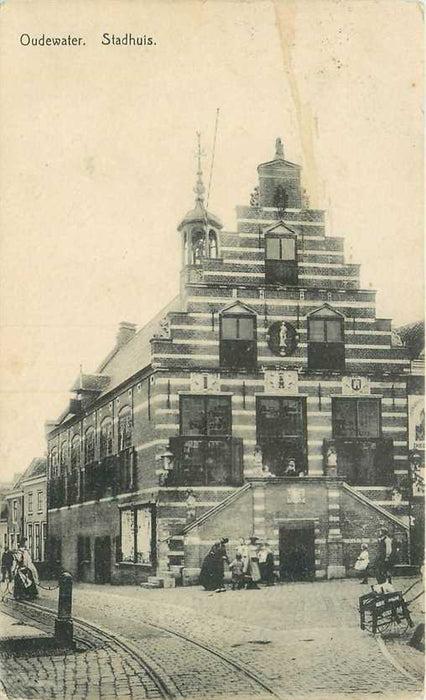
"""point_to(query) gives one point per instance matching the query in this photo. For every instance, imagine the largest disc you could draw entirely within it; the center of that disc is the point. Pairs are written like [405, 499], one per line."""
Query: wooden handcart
[386, 613]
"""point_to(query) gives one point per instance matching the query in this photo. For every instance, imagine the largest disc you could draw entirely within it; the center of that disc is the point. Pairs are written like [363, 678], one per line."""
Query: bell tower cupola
[199, 228]
[279, 182]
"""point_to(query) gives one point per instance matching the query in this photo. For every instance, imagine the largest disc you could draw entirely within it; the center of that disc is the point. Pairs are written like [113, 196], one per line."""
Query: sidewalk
[11, 628]
[91, 671]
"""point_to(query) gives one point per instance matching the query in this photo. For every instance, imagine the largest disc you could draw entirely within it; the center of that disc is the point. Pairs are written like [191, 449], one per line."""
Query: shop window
[37, 543]
[326, 346]
[238, 346]
[106, 438]
[125, 428]
[205, 415]
[30, 543]
[89, 446]
[137, 529]
[356, 418]
[280, 260]
[43, 540]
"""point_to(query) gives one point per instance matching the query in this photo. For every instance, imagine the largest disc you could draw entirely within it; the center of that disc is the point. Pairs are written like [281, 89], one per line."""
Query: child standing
[236, 567]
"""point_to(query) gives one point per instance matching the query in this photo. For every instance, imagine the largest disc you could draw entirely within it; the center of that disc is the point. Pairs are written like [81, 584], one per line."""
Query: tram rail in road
[213, 673]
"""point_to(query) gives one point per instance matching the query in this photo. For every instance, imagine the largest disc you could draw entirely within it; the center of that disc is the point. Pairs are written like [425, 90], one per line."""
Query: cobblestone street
[300, 640]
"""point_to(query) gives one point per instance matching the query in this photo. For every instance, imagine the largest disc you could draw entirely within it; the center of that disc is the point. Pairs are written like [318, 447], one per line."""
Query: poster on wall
[416, 422]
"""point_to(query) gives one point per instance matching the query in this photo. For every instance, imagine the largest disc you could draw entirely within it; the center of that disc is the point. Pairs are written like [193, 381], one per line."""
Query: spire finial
[279, 150]
[199, 188]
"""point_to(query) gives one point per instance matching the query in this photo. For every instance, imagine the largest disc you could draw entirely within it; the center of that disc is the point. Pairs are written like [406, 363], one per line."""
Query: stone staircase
[382, 496]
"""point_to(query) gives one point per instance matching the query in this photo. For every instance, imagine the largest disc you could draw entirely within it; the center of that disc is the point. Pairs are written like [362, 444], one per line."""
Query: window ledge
[131, 563]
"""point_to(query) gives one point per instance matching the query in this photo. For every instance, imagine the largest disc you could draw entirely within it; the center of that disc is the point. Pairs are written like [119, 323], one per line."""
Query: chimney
[126, 331]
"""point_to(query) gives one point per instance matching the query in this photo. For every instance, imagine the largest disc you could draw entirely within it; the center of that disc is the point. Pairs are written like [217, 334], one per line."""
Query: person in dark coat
[385, 558]
[26, 576]
[6, 564]
[213, 568]
[269, 574]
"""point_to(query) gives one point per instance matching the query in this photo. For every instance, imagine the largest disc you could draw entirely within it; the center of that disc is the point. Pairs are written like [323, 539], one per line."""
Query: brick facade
[226, 276]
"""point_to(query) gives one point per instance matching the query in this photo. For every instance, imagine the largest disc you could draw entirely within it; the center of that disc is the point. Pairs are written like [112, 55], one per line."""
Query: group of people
[253, 563]
[383, 564]
[17, 567]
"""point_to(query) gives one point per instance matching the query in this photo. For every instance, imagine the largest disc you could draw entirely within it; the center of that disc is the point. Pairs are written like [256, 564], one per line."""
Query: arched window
[75, 452]
[63, 457]
[213, 249]
[125, 428]
[238, 344]
[106, 441]
[54, 463]
[89, 446]
[326, 343]
[198, 247]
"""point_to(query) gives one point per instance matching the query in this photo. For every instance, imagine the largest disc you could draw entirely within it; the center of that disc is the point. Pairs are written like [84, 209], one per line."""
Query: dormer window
[280, 256]
[238, 346]
[326, 346]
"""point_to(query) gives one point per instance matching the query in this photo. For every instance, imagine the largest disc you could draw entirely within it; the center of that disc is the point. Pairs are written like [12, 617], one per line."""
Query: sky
[98, 163]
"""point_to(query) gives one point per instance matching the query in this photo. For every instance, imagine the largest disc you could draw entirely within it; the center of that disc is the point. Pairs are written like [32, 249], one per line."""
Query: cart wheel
[393, 625]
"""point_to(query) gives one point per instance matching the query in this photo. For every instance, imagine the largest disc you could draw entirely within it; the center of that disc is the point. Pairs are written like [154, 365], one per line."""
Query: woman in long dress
[213, 568]
[252, 570]
[26, 576]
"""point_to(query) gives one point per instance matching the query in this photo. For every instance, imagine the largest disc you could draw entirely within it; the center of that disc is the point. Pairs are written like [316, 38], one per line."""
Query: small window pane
[334, 331]
[193, 415]
[316, 331]
[368, 418]
[288, 249]
[273, 248]
[269, 418]
[344, 418]
[218, 416]
[229, 328]
[291, 417]
[246, 329]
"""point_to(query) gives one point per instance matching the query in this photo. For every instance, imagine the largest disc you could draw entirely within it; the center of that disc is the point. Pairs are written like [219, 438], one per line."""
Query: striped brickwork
[191, 346]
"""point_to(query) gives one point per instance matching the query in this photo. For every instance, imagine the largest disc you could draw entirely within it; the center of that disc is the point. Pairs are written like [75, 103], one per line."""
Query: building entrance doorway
[103, 559]
[297, 551]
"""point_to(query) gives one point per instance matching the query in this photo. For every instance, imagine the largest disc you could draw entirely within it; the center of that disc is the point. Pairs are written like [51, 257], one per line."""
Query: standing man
[385, 558]
[6, 564]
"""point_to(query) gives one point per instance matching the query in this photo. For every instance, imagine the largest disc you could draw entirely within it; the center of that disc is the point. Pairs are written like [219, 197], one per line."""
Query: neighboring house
[4, 540]
[413, 337]
[270, 364]
[27, 510]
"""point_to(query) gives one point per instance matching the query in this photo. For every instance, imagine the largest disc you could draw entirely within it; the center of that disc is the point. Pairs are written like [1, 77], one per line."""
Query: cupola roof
[199, 213]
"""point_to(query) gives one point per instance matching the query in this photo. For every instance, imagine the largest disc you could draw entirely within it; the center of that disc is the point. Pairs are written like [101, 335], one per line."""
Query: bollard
[63, 622]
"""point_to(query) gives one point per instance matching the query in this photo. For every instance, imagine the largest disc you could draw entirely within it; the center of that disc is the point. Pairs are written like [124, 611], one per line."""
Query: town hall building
[266, 399]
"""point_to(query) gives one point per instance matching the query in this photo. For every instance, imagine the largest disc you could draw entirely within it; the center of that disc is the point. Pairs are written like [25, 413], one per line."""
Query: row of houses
[23, 506]
[266, 398]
